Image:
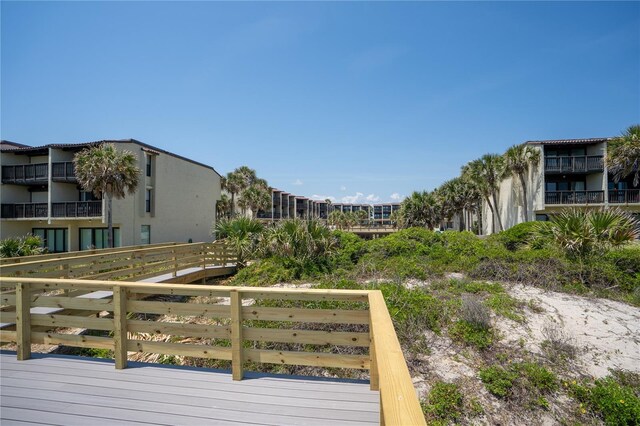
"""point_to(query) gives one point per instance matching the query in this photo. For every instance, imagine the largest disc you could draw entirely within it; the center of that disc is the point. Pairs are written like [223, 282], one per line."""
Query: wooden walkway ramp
[57, 389]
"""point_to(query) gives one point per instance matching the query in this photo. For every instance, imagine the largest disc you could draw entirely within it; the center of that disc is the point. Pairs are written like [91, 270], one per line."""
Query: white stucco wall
[185, 195]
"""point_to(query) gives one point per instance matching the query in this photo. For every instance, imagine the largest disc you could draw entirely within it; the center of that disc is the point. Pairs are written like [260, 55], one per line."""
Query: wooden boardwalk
[69, 390]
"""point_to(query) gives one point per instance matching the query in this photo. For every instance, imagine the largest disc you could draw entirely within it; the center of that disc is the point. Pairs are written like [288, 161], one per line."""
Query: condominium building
[175, 199]
[570, 173]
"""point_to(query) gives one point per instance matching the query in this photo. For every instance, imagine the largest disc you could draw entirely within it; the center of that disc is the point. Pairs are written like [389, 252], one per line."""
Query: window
[147, 201]
[87, 196]
[149, 165]
[145, 234]
[55, 240]
[97, 238]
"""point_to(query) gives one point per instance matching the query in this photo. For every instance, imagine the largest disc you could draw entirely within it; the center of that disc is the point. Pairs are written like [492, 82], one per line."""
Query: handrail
[393, 378]
[136, 263]
[51, 256]
[399, 403]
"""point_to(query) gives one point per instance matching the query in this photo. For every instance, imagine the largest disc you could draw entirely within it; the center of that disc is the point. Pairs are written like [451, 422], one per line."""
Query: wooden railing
[51, 256]
[233, 334]
[127, 263]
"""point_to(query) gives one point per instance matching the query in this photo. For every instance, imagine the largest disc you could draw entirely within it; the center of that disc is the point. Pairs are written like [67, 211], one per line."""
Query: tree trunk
[233, 204]
[497, 212]
[524, 198]
[109, 223]
[493, 219]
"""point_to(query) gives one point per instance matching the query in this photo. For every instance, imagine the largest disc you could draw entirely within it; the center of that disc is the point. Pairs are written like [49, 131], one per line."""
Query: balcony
[27, 174]
[624, 196]
[574, 164]
[40, 210]
[24, 211]
[574, 197]
[63, 172]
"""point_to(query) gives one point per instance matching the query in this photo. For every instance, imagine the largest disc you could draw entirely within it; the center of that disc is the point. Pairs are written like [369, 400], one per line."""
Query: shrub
[472, 334]
[615, 403]
[505, 305]
[474, 312]
[444, 402]
[27, 245]
[498, 380]
[412, 241]
[265, 272]
[519, 236]
[413, 306]
[349, 249]
[557, 344]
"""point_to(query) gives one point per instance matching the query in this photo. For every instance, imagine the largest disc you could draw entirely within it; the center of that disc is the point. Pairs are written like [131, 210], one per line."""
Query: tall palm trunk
[493, 219]
[497, 211]
[233, 205]
[525, 203]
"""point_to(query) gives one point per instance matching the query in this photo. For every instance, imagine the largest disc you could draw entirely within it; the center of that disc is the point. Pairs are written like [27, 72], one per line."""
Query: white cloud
[343, 188]
[352, 199]
[395, 196]
[323, 197]
[297, 182]
[373, 198]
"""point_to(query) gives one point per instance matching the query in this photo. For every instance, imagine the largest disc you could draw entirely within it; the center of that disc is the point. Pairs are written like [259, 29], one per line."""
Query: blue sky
[349, 100]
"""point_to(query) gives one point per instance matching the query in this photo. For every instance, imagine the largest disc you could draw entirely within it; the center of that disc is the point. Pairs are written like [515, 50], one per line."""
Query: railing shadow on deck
[236, 325]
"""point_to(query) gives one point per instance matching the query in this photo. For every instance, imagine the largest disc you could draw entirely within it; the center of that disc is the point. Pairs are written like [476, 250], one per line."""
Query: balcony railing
[38, 173]
[63, 171]
[24, 210]
[574, 197]
[574, 164]
[66, 209]
[77, 209]
[624, 196]
[25, 173]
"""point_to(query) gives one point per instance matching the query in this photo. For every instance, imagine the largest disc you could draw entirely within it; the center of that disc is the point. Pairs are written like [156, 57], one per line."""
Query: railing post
[23, 321]
[175, 263]
[374, 378]
[236, 335]
[120, 326]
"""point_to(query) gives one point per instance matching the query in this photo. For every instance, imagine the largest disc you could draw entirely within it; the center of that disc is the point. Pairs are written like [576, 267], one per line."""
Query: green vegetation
[472, 334]
[444, 403]
[623, 155]
[527, 383]
[614, 402]
[28, 245]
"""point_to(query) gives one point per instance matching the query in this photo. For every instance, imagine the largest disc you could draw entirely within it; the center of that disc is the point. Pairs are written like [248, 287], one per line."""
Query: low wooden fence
[125, 263]
[236, 325]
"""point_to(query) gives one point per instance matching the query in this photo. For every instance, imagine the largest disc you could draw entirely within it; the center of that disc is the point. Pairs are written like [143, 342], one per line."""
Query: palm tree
[623, 155]
[223, 206]
[256, 197]
[518, 160]
[107, 172]
[488, 172]
[421, 209]
[242, 233]
[583, 233]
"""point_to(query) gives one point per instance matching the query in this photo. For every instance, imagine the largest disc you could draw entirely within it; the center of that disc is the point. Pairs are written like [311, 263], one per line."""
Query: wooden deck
[56, 389]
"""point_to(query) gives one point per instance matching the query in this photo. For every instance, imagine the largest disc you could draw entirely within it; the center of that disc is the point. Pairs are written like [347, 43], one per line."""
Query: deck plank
[76, 390]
